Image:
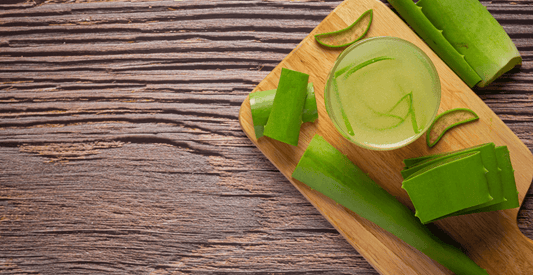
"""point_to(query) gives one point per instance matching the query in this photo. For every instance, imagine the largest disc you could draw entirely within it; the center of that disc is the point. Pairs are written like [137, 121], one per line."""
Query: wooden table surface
[121, 152]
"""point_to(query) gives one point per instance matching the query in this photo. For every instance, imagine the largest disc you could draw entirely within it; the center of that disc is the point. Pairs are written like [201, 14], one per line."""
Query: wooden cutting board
[492, 240]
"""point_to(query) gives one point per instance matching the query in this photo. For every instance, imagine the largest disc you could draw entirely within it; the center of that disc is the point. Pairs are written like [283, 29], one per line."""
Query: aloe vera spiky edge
[325, 169]
[465, 35]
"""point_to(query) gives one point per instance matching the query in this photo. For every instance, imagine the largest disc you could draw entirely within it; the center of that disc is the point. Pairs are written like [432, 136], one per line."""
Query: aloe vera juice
[382, 93]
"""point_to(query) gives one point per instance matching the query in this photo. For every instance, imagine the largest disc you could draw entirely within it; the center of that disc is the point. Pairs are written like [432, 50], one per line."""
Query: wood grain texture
[121, 151]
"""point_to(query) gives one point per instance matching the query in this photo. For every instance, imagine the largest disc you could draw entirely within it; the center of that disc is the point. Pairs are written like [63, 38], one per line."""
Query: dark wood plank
[120, 146]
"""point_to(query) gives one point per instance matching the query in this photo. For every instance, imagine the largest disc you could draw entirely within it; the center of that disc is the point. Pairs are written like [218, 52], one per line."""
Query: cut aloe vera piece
[490, 162]
[475, 34]
[352, 68]
[325, 169]
[285, 118]
[261, 105]
[447, 120]
[508, 181]
[448, 186]
[348, 35]
[412, 14]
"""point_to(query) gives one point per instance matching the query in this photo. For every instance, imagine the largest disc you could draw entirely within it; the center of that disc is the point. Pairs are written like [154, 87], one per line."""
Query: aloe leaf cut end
[349, 35]
[447, 120]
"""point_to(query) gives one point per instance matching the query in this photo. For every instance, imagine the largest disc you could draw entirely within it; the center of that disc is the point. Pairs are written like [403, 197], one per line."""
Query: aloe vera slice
[447, 120]
[412, 14]
[510, 191]
[475, 34]
[352, 68]
[261, 105]
[490, 162]
[448, 186]
[285, 118]
[325, 169]
[343, 113]
[348, 35]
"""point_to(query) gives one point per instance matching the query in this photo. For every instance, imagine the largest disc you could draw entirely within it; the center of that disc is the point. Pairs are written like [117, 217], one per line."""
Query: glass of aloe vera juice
[382, 93]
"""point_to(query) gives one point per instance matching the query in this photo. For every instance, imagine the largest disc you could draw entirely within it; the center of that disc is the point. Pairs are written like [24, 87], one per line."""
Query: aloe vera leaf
[508, 181]
[325, 169]
[285, 118]
[448, 186]
[261, 105]
[447, 120]
[348, 35]
[413, 15]
[490, 162]
[359, 66]
[347, 123]
[475, 34]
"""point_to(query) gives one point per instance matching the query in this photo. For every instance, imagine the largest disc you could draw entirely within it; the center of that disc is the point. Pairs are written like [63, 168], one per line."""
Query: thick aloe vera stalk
[474, 33]
[286, 116]
[413, 15]
[490, 162]
[448, 186]
[325, 169]
[261, 105]
[471, 31]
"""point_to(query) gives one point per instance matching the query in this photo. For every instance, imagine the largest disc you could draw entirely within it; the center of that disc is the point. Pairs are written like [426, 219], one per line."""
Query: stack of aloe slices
[325, 169]
[465, 35]
[472, 180]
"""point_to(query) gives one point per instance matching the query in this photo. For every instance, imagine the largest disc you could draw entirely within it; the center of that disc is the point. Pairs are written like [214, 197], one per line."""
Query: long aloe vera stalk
[286, 116]
[325, 169]
[474, 35]
[261, 105]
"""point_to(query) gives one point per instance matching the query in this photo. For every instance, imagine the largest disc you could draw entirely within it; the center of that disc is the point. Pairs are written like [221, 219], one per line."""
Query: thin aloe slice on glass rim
[328, 171]
[261, 106]
[348, 35]
[447, 120]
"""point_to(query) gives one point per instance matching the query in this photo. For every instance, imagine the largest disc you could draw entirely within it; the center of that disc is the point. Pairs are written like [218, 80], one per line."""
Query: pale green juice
[390, 96]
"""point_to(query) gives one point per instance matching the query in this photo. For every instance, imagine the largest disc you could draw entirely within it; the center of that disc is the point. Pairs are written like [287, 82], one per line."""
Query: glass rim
[432, 71]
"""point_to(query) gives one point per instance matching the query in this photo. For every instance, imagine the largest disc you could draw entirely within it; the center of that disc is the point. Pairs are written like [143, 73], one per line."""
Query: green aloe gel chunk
[261, 105]
[490, 162]
[447, 187]
[325, 169]
[285, 118]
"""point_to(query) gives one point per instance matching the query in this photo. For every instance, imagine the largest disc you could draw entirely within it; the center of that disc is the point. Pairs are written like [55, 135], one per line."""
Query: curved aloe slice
[352, 68]
[349, 35]
[285, 118]
[261, 105]
[446, 121]
[325, 169]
